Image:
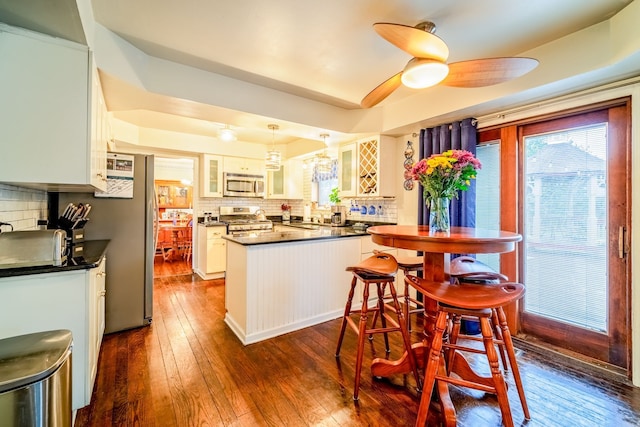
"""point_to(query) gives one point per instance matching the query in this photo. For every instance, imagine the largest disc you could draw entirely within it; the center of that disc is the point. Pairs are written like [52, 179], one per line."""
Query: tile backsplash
[22, 207]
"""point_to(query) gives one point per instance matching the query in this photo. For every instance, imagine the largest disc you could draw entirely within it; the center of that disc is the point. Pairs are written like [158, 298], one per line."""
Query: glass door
[575, 220]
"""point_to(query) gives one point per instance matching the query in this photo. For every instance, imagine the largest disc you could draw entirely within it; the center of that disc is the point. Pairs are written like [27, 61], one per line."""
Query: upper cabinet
[368, 167]
[244, 165]
[347, 170]
[286, 183]
[54, 123]
[211, 176]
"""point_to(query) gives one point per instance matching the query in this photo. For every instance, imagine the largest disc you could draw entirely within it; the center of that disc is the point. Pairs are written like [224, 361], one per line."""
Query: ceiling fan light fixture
[227, 134]
[423, 72]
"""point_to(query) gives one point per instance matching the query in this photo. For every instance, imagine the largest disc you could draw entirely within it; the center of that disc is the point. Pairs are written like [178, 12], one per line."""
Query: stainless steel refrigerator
[130, 224]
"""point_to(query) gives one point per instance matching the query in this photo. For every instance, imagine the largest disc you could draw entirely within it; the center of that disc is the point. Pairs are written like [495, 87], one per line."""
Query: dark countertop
[93, 252]
[307, 232]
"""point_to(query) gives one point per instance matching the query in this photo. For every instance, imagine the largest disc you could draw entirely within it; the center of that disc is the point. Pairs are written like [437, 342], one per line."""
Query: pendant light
[272, 159]
[322, 161]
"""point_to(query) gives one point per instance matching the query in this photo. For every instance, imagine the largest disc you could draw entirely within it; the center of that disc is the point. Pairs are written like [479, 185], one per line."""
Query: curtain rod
[555, 101]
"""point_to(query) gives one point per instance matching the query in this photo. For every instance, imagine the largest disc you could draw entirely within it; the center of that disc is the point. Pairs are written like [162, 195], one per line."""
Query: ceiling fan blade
[487, 71]
[415, 41]
[383, 90]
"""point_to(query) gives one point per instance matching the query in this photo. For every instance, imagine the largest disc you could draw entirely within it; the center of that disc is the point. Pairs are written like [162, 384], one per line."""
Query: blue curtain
[460, 135]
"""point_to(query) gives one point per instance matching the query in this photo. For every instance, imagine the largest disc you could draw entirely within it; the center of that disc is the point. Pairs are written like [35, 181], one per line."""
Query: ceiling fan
[428, 66]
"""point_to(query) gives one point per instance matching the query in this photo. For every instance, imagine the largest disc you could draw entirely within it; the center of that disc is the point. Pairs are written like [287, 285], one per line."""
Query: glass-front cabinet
[211, 174]
[347, 170]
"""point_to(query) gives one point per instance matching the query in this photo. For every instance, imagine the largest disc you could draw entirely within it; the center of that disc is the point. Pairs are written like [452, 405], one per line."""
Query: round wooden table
[434, 245]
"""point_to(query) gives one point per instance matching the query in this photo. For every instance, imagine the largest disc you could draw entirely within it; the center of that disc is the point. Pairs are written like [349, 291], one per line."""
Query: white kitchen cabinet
[71, 300]
[211, 176]
[96, 302]
[286, 183]
[376, 167]
[347, 170]
[51, 119]
[212, 252]
[244, 165]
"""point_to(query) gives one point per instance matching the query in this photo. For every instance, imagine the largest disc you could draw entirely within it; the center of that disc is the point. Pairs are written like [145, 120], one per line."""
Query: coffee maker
[338, 216]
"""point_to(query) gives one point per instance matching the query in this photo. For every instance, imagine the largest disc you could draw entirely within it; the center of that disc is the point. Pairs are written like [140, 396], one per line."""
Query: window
[488, 195]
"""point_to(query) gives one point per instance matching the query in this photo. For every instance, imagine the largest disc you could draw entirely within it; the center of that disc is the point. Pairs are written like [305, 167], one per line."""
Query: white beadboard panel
[288, 286]
[236, 287]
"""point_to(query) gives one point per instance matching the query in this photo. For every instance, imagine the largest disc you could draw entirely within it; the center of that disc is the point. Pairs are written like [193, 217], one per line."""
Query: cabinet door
[211, 173]
[99, 134]
[216, 255]
[276, 183]
[46, 122]
[347, 170]
[294, 182]
[96, 306]
[244, 165]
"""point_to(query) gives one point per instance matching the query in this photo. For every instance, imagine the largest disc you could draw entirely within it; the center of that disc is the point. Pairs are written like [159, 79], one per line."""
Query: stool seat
[480, 301]
[413, 263]
[378, 270]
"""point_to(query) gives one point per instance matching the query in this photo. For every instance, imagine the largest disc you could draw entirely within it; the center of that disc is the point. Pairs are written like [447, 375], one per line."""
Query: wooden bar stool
[378, 270]
[410, 265]
[465, 270]
[466, 299]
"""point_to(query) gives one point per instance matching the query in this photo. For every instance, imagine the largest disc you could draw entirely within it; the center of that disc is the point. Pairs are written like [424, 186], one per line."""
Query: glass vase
[439, 219]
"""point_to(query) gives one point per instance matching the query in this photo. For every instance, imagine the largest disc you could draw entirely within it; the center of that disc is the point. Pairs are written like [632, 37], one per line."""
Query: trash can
[35, 379]
[465, 269]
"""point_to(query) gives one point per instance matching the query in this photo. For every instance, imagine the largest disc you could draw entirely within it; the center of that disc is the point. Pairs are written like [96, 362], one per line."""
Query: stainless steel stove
[242, 219]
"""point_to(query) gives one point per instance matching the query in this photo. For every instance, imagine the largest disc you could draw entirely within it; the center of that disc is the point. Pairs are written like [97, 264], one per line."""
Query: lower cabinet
[212, 252]
[71, 300]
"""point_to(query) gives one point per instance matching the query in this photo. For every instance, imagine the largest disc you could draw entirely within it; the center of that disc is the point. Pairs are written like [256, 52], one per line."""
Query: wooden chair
[458, 300]
[378, 270]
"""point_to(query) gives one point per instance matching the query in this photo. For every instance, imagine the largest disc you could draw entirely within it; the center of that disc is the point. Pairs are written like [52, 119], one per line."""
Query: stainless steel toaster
[32, 248]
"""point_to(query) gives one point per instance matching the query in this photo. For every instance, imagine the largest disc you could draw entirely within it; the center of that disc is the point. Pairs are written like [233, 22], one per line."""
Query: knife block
[75, 235]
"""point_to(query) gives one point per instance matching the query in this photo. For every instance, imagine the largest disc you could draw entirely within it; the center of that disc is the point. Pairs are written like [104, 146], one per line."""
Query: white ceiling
[307, 64]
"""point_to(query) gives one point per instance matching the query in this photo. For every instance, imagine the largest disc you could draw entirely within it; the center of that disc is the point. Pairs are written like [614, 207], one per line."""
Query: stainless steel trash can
[35, 380]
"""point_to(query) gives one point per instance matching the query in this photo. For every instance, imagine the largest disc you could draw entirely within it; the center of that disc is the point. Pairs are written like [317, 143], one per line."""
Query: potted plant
[338, 212]
[334, 197]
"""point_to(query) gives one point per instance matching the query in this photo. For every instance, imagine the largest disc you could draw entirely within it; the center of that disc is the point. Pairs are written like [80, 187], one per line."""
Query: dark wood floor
[189, 369]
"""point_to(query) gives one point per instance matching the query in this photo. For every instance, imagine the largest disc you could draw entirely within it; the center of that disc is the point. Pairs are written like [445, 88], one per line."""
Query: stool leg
[347, 311]
[506, 335]
[453, 339]
[496, 328]
[375, 315]
[381, 290]
[407, 307]
[431, 368]
[362, 330]
[406, 338]
[498, 379]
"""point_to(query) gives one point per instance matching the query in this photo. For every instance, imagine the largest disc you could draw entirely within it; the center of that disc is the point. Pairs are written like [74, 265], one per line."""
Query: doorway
[563, 182]
[174, 185]
[574, 192]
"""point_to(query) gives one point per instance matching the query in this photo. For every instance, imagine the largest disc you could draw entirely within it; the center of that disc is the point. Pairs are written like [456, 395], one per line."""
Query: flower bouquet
[442, 176]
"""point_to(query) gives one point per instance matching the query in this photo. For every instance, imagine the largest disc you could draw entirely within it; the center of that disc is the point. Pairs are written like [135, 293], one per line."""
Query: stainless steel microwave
[243, 185]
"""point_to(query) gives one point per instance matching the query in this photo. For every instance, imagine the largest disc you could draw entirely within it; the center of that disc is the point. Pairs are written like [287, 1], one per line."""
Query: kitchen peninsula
[282, 281]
